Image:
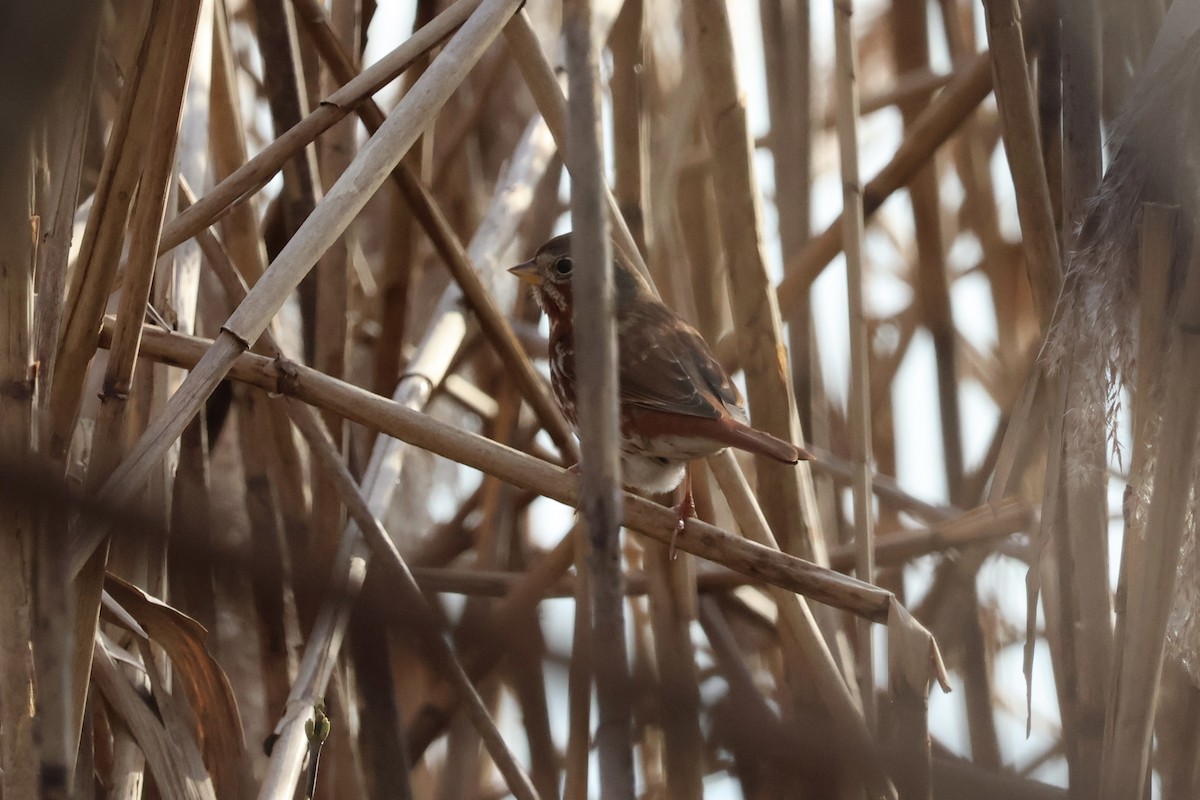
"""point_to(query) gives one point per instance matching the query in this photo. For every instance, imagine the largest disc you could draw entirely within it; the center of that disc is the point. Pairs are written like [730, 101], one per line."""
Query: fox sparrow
[676, 401]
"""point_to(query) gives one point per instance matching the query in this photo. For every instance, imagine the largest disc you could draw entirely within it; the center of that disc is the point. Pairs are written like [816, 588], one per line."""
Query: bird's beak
[528, 272]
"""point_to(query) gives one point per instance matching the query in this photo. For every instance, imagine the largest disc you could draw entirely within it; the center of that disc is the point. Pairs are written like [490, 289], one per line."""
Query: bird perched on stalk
[676, 400]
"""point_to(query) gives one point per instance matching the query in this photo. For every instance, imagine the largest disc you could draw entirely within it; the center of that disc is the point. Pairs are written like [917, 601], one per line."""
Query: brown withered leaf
[207, 687]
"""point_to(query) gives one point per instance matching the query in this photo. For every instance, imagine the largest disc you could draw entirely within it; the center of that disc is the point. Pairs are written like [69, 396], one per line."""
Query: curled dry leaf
[184, 641]
[913, 655]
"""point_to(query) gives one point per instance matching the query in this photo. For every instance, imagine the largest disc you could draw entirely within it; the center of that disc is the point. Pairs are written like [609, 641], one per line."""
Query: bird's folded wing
[666, 366]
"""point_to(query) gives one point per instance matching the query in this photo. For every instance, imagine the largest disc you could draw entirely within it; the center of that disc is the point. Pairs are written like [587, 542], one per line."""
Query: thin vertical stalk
[1084, 492]
[788, 56]
[1018, 124]
[629, 122]
[1146, 563]
[787, 493]
[52, 643]
[579, 677]
[330, 279]
[96, 266]
[860, 375]
[18, 747]
[596, 402]
[911, 46]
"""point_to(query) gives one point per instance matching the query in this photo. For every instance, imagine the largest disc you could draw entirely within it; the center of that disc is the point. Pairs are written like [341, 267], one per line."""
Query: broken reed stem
[335, 212]
[511, 466]
[595, 341]
[146, 220]
[859, 405]
[65, 160]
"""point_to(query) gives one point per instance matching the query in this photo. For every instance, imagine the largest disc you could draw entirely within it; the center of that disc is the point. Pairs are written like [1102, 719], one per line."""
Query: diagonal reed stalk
[343, 201]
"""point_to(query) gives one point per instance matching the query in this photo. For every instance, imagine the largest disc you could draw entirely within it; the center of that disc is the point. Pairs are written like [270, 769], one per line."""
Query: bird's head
[550, 271]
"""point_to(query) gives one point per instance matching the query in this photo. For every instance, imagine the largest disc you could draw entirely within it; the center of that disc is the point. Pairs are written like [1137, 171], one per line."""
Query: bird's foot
[684, 510]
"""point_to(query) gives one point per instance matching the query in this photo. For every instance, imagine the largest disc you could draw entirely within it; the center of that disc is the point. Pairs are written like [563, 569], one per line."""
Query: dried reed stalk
[1018, 124]
[513, 467]
[1150, 553]
[786, 491]
[596, 393]
[343, 201]
[433, 218]
[859, 406]
[929, 131]
[254, 174]
[1084, 575]
[19, 755]
[96, 266]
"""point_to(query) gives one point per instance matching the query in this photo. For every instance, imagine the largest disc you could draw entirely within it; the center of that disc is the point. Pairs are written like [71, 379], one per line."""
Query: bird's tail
[751, 440]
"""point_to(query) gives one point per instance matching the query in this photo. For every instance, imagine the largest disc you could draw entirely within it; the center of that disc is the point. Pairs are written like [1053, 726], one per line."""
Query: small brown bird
[676, 401]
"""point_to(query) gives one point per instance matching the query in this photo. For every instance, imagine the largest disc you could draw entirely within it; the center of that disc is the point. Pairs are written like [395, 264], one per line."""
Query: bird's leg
[685, 509]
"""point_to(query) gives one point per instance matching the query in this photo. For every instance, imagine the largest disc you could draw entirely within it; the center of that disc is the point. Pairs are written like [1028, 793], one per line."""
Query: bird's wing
[666, 366]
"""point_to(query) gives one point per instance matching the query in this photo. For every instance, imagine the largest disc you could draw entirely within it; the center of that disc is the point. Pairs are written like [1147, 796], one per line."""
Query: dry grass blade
[206, 685]
[171, 754]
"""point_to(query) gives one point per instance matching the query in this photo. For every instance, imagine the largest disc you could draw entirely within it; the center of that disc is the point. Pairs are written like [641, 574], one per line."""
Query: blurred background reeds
[284, 500]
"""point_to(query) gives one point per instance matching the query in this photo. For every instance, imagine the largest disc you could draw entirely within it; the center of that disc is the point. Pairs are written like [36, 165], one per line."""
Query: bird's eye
[563, 266]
